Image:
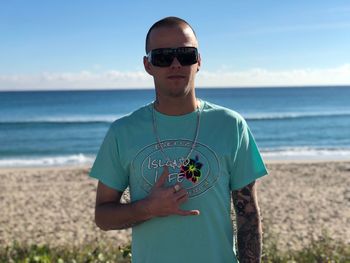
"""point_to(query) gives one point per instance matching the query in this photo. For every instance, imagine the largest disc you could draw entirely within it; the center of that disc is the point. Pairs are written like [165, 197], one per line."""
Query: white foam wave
[296, 153]
[293, 115]
[306, 153]
[64, 119]
[112, 118]
[70, 160]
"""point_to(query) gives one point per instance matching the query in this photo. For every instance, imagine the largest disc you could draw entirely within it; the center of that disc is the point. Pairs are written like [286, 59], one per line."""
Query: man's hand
[110, 213]
[165, 201]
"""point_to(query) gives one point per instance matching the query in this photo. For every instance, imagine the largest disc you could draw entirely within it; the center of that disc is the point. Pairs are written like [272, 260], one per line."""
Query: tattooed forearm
[249, 234]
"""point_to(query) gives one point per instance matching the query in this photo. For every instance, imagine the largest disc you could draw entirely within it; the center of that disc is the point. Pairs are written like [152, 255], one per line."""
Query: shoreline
[55, 205]
[88, 166]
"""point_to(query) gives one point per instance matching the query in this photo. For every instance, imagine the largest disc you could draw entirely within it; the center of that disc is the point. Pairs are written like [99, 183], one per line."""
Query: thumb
[161, 180]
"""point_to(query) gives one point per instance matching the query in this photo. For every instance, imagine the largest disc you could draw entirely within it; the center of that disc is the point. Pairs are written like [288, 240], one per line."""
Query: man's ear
[199, 62]
[147, 65]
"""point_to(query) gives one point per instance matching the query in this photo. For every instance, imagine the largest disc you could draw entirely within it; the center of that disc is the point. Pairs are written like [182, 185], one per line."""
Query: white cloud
[75, 80]
[114, 79]
[262, 77]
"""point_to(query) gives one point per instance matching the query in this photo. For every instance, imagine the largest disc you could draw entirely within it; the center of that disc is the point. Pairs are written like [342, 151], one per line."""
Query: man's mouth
[174, 77]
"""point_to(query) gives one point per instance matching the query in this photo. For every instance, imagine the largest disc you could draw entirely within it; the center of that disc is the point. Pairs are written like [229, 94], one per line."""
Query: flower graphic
[191, 170]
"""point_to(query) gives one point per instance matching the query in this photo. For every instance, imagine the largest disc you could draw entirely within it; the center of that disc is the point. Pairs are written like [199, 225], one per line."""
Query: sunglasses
[164, 57]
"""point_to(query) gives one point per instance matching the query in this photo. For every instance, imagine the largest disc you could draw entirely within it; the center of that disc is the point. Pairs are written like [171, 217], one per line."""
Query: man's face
[175, 80]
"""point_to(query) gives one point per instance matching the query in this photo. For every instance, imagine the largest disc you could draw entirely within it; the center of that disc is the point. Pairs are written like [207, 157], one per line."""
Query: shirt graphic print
[196, 174]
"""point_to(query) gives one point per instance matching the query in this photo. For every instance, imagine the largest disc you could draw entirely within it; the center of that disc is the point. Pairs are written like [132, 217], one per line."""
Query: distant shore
[299, 201]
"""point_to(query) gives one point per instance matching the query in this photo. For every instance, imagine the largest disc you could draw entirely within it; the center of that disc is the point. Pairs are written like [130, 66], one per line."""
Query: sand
[55, 206]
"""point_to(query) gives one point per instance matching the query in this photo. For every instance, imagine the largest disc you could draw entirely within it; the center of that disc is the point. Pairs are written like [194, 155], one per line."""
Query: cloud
[113, 79]
[75, 80]
[262, 77]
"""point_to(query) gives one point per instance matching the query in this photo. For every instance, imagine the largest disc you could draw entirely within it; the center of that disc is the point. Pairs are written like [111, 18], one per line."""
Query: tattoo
[249, 232]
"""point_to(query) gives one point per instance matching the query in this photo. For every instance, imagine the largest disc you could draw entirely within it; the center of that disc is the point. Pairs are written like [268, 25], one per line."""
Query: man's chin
[178, 92]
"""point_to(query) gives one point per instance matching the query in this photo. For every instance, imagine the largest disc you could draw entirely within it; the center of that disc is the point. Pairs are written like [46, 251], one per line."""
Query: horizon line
[199, 87]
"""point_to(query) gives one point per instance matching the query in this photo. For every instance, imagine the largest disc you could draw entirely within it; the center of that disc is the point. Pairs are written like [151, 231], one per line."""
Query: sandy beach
[298, 201]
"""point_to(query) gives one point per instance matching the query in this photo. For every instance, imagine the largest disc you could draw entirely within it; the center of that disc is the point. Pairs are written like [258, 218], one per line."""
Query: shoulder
[132, 120]
[213, 110]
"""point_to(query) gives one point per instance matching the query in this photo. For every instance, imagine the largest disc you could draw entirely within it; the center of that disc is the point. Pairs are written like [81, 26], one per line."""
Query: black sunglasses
[164, 57]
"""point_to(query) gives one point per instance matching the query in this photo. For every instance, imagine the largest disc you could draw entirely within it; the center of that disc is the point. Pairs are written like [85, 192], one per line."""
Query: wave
[306, 153]
[293, 115]
[70, 160]
[64, 120]
[295, 153]
[112, 118]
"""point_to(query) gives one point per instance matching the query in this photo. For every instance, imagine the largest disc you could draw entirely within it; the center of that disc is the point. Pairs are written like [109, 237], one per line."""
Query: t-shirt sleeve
[107, 166]
[247, 161]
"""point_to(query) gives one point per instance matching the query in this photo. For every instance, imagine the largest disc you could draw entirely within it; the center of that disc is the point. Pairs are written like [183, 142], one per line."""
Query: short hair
[170, 21]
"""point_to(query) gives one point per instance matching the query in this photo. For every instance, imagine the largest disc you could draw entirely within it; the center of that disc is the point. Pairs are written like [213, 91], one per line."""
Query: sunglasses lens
[163, 57]
[187, 56]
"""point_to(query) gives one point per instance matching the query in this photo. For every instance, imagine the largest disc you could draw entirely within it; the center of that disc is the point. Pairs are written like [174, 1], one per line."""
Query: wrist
[146, 210]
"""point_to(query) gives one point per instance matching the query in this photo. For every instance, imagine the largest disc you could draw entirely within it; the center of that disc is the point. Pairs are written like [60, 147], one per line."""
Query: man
[181, 158]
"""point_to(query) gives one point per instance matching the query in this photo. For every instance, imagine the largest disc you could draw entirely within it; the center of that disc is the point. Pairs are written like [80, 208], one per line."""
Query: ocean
[53, 128]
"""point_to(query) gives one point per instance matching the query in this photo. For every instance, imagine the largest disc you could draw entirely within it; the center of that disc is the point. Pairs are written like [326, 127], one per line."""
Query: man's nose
[175, 63]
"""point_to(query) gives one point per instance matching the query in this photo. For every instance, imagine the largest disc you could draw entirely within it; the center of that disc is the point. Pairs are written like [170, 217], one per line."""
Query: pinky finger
[188, 212]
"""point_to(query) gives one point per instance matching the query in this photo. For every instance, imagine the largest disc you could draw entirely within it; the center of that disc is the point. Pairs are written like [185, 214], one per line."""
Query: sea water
[43, 128]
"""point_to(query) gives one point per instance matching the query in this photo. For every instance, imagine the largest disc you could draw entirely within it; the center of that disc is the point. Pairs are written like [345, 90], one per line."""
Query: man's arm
[111, 214]
[249, 233]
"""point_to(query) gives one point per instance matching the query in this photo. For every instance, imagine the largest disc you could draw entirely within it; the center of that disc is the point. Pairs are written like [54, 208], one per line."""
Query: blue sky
[100, 44]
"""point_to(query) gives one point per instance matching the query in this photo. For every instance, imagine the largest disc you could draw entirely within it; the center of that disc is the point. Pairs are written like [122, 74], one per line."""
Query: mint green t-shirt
[224, 158]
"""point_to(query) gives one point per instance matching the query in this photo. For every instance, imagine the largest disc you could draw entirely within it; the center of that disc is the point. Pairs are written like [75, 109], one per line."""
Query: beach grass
[319, 251]
[45, 254]
[322, 250]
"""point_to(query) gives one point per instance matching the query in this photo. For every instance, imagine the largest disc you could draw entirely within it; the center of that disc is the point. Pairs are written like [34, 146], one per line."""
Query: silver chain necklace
[194, 141]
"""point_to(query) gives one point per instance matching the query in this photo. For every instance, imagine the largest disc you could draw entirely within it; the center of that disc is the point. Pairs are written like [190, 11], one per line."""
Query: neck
[176, 106]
